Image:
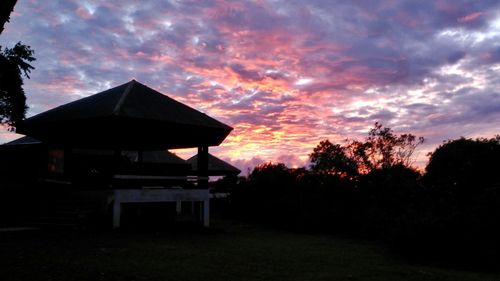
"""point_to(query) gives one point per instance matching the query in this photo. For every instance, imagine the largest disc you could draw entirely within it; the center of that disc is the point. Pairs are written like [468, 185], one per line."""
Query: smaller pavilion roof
[216, 166]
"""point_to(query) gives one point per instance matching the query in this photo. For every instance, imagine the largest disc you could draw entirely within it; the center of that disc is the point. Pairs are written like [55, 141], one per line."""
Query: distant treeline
[369, 189]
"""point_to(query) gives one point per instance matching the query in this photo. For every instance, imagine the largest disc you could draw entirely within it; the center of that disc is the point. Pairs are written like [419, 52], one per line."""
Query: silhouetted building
[112, 146]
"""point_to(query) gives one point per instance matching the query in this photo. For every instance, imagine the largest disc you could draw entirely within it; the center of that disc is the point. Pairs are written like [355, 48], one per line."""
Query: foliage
[389, 199]
[14, 63]
[382, 149]
[332, 159]
[274, 175]
[267, 195]
[465, 164]
[464, 186]
[369, 182]
[6, 7]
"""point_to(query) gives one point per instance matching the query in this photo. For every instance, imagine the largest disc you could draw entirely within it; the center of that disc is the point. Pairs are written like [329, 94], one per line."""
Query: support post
[117, 163]
[203, 183]
[140, 156]
[67, 171]
[116, 213]
[206, 212]
[178, 207]
[203, 167]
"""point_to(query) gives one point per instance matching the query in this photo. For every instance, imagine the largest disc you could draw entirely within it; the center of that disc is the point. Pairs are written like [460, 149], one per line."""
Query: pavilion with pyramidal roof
[112, 147]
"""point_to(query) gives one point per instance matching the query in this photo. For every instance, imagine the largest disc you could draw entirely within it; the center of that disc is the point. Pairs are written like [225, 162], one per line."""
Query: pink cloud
[470, 17]
[83, 13]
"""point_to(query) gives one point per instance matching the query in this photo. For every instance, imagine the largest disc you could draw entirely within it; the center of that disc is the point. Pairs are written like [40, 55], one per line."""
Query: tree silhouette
[465, 166]
[332, 159]
[464, 185]
[382, 149]
[14, 63]
[6, 7]
[271, 177]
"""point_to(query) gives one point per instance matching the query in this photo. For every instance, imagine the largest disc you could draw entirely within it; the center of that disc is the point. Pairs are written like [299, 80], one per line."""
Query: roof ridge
[127, 91]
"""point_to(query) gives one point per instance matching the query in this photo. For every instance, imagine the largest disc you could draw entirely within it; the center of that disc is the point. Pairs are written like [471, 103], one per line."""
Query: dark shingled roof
[159, 156]
[216, 166]
[130, 116]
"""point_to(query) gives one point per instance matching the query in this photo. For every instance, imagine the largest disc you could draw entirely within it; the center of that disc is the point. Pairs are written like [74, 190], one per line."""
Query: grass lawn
[228, 251]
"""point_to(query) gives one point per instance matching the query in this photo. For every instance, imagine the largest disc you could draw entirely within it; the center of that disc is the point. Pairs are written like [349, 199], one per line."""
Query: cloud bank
[284, 74]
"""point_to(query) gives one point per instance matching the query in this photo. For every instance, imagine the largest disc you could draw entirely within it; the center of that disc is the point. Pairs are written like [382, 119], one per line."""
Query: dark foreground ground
[227, 251]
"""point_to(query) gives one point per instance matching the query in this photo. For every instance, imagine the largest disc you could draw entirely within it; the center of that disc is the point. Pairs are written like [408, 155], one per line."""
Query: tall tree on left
[14, 63]
[6, 7]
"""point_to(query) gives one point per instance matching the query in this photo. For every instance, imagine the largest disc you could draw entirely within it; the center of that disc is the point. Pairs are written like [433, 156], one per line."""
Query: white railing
[121, 196]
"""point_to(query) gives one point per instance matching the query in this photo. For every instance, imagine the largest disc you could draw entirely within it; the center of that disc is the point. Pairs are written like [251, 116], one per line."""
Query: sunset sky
[285, 74]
